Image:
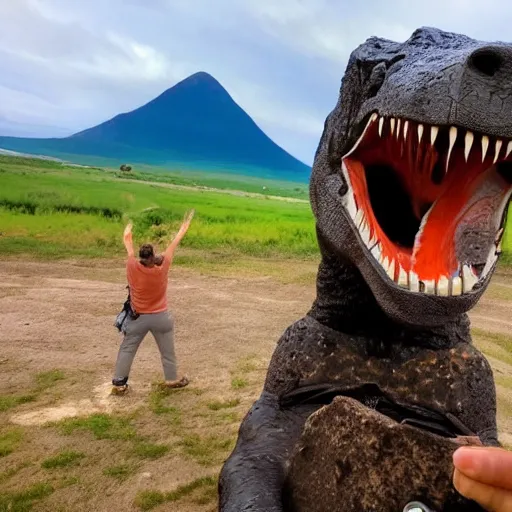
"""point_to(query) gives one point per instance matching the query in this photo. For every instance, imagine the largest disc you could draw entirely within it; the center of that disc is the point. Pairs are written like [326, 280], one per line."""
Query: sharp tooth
[485, 146]
[406, 129]
[373, 117]
[443, 287]
[381, 126]
[456, 286]
[392, 122]
[377, 252]
[351, 205]
[359, 218]
[390, 269]
[402, 278]
[453, 138]
[468, 144]
[499, 143]
[433, 134]
[499, 236]
[468, 279]
[414, 282]
[398, 128]
[509, 149]
[430, 287]
[420, 132]
[364, 231]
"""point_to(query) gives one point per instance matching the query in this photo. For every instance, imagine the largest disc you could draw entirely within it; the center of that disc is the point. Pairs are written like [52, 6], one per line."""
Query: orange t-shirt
[148, 285]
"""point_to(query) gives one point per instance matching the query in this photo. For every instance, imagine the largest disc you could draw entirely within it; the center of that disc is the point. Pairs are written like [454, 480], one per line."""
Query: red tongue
[462, 197]
[471, 197]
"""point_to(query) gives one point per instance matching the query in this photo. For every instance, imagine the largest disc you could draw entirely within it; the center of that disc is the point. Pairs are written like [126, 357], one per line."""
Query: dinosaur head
[413, 175]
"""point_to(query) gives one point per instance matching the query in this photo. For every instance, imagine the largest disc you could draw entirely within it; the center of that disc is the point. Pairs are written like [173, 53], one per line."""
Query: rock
[355, 459]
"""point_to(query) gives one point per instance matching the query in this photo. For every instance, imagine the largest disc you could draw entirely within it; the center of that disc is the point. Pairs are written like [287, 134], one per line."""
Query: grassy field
[151, 450]
[49, 210]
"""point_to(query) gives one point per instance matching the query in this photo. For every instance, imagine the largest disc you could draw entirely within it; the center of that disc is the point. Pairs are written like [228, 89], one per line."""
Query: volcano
[195, 125]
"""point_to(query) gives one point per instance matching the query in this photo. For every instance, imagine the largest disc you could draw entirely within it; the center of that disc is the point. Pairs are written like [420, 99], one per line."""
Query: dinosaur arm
[253, 476]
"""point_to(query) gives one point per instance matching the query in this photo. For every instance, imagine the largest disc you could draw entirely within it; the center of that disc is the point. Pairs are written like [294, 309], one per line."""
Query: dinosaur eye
[376, 79]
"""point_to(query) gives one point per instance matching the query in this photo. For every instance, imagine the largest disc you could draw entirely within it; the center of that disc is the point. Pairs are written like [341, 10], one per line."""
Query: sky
[66, 65]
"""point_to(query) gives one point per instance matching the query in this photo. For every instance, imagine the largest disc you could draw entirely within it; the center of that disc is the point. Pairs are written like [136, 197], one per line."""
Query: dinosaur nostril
[486, 61]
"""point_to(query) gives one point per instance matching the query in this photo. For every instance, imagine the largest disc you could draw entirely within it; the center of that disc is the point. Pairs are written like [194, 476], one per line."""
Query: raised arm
[128, 240]
[169, 252]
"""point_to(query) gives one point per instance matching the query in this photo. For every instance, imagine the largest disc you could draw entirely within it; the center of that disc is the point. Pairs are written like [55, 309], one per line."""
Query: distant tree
[125, 168]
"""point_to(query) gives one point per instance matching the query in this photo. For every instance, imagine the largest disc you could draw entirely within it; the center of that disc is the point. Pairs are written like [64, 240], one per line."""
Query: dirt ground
[59, 316]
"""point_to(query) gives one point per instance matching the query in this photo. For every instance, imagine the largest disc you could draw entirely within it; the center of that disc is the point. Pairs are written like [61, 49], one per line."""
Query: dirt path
[219, 190]
[60, 315]
[55, 316]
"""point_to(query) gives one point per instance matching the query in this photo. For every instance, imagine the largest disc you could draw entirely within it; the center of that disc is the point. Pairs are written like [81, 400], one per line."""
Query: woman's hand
[127, 239]
[128, 230]
[485, 476]
[187, 219]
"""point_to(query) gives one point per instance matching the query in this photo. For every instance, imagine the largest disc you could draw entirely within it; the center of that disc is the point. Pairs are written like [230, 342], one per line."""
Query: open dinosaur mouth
[429, 202]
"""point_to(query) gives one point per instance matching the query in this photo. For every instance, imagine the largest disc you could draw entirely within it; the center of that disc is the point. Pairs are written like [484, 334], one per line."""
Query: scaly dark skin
[404, 329]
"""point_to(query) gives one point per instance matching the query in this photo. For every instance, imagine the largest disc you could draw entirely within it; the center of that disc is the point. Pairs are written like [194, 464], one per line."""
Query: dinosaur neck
[345, 303]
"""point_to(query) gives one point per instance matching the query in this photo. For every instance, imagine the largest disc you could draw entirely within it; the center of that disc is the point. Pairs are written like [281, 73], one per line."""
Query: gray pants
[161, 326]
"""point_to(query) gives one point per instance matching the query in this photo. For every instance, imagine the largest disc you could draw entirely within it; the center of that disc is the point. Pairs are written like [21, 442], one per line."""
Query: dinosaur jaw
[429, 203]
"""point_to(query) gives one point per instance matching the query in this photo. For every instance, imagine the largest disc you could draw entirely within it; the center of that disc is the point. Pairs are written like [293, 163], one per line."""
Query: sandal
[119, 390]
[177, 384]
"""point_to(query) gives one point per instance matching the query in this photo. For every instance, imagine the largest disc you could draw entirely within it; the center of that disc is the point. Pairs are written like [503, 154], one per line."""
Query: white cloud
[74, 64]
[314, 28]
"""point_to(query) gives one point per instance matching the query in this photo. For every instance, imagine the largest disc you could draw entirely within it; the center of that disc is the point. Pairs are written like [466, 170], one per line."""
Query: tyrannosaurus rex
[367, 396]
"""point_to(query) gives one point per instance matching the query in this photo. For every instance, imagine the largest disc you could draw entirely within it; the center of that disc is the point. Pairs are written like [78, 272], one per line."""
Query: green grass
[11, 401]
[9, 473]
[157, 405]
[150, 451]
[50, 210]
[63, 460]
[23, 501]
[121, 472]
[147, 500]
[102, 426]
[57, 212]
[206, 451]
[9, 441]
[47, 379]
[502, 340]
[239, 383]
[218, 405]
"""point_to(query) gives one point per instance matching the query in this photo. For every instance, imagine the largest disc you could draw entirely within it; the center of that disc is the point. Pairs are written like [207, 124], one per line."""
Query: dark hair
[146, 252]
